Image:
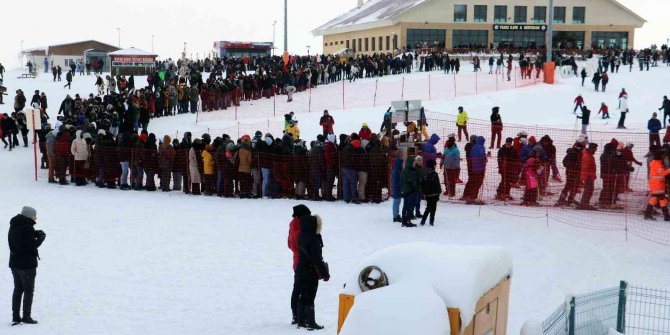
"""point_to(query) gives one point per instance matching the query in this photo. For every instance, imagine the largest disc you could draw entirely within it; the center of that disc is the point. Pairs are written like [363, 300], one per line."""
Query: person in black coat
[23, 255]
[311, 268]
[431, 189]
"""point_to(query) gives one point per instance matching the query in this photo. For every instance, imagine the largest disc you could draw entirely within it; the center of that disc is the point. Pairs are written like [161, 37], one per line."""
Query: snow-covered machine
[425, 288]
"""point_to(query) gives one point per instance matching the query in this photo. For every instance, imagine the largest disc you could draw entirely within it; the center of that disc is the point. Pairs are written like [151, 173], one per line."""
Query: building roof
[132, 52]
[78, 48]
[374, 13]
[381, 13]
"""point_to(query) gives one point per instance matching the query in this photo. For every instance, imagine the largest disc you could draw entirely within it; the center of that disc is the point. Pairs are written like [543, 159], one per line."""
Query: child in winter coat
[605, 110]
[208, 169]
[533, 169]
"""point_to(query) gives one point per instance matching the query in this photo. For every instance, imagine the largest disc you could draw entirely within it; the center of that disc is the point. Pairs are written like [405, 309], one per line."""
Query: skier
[605, 110]
[583, 76]
[586, 117]
[68, 78]
[605, 79]
[596, 80]
[654, 126]
[23, 243]
[666, 109]
[579, 102]
[327, 122]
[623, 108]
[462, 123]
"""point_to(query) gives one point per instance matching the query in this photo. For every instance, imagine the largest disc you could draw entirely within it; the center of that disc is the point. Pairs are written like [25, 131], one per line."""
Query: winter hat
[167, 139]
[452, 135]
[143, 137]
[496, 109]
[230, 147]
[258, 134]
[245, 136]
[522, 133]
[320, 138]
[87, 136]
[356, 144]
[331, 138]
[614, 141]
[629, 144]
[102, 132]
[29, 212]
[532, 140]
[473, 138]
[593, 146]
[365, 124]
[509, 140]
[301, 210]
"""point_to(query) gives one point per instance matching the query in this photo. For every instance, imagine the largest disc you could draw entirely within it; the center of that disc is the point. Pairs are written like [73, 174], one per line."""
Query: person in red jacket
[588, 176]
[630, 160]
[579, 102]
[62, 153]
[365, 132]
[605, 110]
[293, 237]
[331, 165]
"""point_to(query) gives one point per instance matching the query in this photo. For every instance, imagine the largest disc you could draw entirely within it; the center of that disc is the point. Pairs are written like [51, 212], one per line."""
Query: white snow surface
[403, 308]
[459, 275]
[153, 263]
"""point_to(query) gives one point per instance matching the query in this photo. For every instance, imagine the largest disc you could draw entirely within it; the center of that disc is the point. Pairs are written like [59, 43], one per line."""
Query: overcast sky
[201, 22]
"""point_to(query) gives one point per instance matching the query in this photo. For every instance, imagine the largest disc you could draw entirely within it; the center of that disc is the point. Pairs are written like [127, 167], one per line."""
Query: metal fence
[626, 309]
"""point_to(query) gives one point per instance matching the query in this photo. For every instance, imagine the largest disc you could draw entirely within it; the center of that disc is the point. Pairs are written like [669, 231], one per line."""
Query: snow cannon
[426, 288]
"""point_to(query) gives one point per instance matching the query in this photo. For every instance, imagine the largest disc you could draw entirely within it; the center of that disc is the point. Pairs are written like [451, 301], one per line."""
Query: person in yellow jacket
[462, 123]
[293, 129]
[209, 184]
[657, 173]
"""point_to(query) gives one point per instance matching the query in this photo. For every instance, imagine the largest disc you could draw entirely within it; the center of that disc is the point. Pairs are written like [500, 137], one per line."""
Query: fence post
[516, 74]
[571, 317]
[274, 105]
[343, 94]
[454, 83]
[309, 107]
[476, 82]
[402, 92]
[429, 93]
[621, 311]
[374, 102]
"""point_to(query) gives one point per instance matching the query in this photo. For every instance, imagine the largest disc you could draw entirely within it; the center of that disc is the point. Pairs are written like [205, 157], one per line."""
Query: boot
[29, 320]
[311, 323]
[196, 188]
[408, 223]
[397, 219]
[302, 316]
[666, 215]
[647, 213]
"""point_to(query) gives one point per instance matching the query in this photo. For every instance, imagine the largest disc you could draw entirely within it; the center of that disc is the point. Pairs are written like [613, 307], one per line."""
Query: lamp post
[118, 32]
[274, 31]
[550, 32]
[285, 25]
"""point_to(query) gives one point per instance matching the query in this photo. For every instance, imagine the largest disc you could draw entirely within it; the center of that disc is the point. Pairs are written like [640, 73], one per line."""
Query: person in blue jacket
[475, 180]
[396, 193]
[451, 161]
[654, 126]
[429, 150]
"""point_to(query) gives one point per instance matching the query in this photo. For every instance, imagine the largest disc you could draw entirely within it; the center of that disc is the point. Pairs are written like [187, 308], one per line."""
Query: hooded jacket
[452, 157]
[79, 147]
[23, 243]
[294, 231]
[410, 178]
[310, 244]
[51, 143]
[478, 156]
[429, 150]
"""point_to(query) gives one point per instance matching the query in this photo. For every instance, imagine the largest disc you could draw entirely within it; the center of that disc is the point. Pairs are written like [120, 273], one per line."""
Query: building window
[360, 45]
[609, 39]
[520, 14]
[425, 38]
[500, 14]
[480, 13]
[381, 44]
[568, 40]
[347, 44]
[395, 42]
[372, 39]
[366, 45]
[460, 13]
[388, 42]
[353, 45]
[559, 14]
[524, 39]
[578, 15]
[540, 14]
[470, 39]
[335, 42]
[325, 44]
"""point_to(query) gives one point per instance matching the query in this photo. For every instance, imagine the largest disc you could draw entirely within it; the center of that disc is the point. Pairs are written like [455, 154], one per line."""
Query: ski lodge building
[392, 25]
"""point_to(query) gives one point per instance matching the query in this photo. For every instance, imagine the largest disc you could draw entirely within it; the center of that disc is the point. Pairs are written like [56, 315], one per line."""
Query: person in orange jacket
[657, 173]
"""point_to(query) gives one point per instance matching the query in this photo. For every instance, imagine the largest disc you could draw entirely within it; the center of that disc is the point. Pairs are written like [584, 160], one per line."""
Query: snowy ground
[137, 262]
